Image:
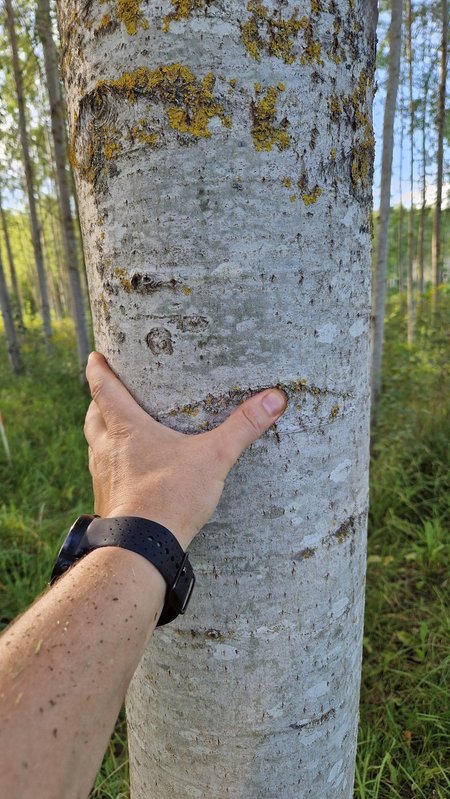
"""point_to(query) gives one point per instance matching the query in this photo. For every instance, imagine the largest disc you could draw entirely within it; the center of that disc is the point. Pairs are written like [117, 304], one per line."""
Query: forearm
[65, 666]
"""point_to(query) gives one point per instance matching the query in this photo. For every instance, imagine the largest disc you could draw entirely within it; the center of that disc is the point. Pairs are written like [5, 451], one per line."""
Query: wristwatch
[147, 538]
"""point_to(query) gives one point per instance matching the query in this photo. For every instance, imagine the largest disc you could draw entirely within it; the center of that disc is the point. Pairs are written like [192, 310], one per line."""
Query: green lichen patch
[265, 132]
[183, 9]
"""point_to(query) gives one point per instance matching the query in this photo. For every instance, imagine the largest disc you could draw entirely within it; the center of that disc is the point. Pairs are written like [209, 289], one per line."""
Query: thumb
[248, 422]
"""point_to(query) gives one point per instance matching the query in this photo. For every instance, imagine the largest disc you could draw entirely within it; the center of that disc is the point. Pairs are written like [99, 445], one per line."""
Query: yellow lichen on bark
[274, 34]
[129, 13]
[270, 33]
[265, 132]
[190, 103]
[312, 197]
[182, 10]
[362, 152]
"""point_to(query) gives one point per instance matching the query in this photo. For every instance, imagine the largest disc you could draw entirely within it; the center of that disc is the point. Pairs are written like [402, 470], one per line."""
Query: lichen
[265, 132]
[312, 197]
[335, 107]
[270, 33]
[124, 279]
[129, 13]
[334, 412]
[312, 52]
[143, 135]
[182, 10]
[287, 182]
[363, 150]
[190, 105]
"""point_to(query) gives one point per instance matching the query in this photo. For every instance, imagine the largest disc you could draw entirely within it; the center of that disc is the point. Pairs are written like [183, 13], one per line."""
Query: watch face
[69, 551]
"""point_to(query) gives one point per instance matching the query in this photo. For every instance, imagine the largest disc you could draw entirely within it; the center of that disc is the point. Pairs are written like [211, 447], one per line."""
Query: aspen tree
[436, 240]
[381, 252]
[68, 233]
[29, 176]
[223, 159]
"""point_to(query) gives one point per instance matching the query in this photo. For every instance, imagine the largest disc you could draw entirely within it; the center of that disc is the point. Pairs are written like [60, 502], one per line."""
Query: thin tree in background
[410, 272]
[16, 300]
[381, 252]
[29, 177]
[69, 237]
[424, 161]
[436, 259]
[400, 264]
[12, 342]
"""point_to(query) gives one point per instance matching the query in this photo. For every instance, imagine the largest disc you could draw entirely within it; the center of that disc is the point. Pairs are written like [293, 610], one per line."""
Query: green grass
[404, 741]
[405, 718]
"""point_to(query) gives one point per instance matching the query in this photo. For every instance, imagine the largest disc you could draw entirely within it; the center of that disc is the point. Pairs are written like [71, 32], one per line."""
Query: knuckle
[252, 420]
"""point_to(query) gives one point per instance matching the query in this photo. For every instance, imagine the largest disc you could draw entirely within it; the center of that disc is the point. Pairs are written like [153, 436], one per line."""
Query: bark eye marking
[159, 341]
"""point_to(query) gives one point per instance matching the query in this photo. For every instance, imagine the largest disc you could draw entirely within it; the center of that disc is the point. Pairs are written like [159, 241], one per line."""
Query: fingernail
[274, 403]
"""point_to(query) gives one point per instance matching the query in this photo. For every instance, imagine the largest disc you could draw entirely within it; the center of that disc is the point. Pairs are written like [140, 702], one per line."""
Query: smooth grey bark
[410, 272]
[28, 167]
[436, 259]
[12, 269]
[12, 342]
[68, 233]
[223, 163]
[381, 251]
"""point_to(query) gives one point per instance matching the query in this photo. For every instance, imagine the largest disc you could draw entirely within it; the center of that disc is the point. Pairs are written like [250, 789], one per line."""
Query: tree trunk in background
[400, 215]
[436, 261]
[12, 269]
[12, 342]
[223, 160]
[410, 273]
[61, 160]
[28, 167]
[424, 187]
[381, 252]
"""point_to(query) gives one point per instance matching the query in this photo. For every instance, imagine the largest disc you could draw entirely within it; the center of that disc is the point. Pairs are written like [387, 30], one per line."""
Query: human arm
[66, 663]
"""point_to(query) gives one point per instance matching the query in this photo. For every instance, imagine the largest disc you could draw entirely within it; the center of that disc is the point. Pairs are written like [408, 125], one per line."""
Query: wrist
[143, 511]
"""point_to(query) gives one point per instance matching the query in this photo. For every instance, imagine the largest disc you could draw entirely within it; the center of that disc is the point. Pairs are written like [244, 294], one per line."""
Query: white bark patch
[327, 333]
[333, 775]
[225, 652]
[320, 689]
[340, 606]
[357, 328]
[341, 472]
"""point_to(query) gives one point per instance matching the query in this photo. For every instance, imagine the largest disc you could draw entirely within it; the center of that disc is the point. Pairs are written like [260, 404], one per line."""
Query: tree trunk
[12, 269]
[34, 222]
[12, 343]
[61, 160]
[223, 160]
[436, 239]
[400, 215]
[380, 277]
[410, 273]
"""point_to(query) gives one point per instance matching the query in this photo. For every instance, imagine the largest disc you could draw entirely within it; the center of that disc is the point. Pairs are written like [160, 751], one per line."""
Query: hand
[139, 467]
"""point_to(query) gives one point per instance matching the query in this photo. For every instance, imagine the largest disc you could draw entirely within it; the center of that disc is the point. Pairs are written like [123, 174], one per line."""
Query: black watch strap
[152, 541]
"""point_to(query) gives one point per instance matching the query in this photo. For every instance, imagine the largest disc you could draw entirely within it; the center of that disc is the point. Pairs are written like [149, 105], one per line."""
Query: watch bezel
[69, 553]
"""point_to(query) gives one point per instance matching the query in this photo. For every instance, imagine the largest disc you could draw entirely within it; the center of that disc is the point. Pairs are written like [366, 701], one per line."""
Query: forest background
[405, 716]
